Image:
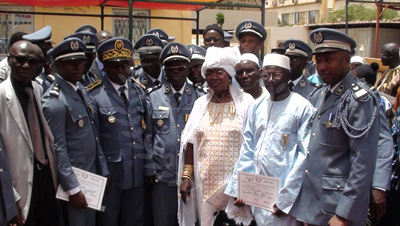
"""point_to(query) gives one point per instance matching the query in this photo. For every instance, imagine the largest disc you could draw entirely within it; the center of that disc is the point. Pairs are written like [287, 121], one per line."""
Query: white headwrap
[276, 60]
[225, 58]
[358, 59]
[250, 57]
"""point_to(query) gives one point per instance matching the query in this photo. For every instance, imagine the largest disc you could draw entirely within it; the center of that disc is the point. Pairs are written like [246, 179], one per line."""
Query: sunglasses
[31, 61]
[212, 39]
[170, 70]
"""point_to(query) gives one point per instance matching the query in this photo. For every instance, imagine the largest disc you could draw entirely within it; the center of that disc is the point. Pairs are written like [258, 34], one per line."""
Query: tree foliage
[220, 19]
[358, 12]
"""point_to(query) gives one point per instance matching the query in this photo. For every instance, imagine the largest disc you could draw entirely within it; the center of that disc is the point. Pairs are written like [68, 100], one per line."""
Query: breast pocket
[108, 115]
[331, 132]
[81, 119]
[332, 188]
[161, 121]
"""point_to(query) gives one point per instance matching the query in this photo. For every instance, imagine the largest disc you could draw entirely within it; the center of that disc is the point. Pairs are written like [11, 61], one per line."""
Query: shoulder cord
[342, 114]
[141, 94]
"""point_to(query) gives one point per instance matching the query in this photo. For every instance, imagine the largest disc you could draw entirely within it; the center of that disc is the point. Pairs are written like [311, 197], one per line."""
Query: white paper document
[91, 185]
[258, 190]
[219, 199]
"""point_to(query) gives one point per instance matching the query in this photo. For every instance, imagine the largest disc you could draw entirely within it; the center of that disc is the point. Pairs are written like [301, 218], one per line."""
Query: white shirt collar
[180, 91]
[117, 86]
[75, 87]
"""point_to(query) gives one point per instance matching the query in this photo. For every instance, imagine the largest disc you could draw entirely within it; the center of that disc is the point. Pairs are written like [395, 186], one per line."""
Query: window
[11, 23]
[286, 19]
[299, 18]
[313, 17]
[121, 24]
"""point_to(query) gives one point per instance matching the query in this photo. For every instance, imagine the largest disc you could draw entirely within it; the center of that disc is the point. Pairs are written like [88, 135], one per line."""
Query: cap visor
[119, 59]
[72, 58]
[176, 57]
[326, 50]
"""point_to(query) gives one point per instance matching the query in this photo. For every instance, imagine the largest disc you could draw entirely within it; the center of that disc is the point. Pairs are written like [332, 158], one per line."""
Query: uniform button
[177, 155]
[72, 160]
[338, 186]
[177, 125]
[92, 122]
[313, 134]
[129, 115]
[132, 128]
[319, 116]
[1, 170]
[0, 149]
[133, 142]
[134, 157]
[308, 153]
[109, 158]
[97, 139]
[178, 111]
[178, 139]
[306, 171]
[80, 116]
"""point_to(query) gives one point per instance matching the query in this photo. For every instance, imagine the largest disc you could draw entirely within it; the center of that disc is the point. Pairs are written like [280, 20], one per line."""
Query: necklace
[219, 112]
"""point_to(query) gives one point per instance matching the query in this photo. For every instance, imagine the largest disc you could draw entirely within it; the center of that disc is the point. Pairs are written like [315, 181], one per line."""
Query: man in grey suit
[121, 111]
[8, 209]
[70, 118]
[29, 144]
[344, 136]
[298, 52]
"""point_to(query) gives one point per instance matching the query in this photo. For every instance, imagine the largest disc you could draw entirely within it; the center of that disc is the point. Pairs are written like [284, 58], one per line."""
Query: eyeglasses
[22, 60]
[212, 39]
[249, 71]
[173, 69]
[273, 74]
[219, 73]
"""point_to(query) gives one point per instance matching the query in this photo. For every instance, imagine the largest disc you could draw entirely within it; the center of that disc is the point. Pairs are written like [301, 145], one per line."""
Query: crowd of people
[176, 130]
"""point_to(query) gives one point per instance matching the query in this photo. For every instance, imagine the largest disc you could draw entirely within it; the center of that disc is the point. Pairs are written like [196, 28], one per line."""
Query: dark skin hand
[78, 200]
[377, 206]
[338, 221]
[241, 203]
[17, 220]
[186, 185]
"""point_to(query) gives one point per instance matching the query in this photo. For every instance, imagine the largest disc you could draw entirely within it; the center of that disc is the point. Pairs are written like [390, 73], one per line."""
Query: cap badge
[318, 37]
[174, 49]
[87, 29]
[86, 39]
[74, 45]
[119, 44]
[190, 50]
[248, 25]
[149, 42]
[156, 34]
[292, 46]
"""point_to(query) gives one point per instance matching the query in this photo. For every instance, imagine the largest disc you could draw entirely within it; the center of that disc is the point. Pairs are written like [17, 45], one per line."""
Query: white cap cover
[250, 57]
[276, 60]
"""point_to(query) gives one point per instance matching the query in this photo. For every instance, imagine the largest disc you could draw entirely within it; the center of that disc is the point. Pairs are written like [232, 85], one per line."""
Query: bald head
[25, 59]
[390, 55]
[103, 36]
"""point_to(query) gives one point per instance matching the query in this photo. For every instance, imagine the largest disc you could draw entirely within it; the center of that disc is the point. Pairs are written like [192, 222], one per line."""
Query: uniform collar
[180, 91]
[159, 77]
[117, 86]
[72, 85]
[295, 82]
[334, 87]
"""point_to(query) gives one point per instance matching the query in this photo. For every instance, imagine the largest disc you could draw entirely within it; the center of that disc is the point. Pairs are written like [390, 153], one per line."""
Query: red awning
[120, 3]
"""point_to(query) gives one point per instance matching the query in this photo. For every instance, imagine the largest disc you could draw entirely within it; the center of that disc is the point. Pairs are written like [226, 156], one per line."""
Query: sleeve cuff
[73, 191]
[380, 189]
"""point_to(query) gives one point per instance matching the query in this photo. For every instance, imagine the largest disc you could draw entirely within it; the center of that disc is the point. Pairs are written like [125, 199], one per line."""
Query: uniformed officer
[344, 136]
[227, 39]
[86, 27]
[90, 41]
[171, 106]
[298, 52]
[195, 78]
[149, 47]
[121, 111]
[70, 118]
[160, 34]
[251, 36]
[97, 66]
[42, 38]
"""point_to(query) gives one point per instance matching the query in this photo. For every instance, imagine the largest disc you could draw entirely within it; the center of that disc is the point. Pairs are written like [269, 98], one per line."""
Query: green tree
[358, 12]
[220, 19]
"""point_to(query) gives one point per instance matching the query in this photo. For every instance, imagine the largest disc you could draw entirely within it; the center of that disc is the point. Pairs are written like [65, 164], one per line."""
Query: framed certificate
[258, 190]
[91, 185]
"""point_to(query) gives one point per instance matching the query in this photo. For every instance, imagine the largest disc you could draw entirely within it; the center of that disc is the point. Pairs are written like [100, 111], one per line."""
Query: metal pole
[130, 20]
[378, 12]
[262, 22]
[197, 26]
[102, 17]
[347, 17]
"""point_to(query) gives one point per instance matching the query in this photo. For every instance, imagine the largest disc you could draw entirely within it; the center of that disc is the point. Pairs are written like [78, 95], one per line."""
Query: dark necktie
[123, 96]
[34, 128]
[327, 95]
[177, 96]
[291, 85]
[157, 83]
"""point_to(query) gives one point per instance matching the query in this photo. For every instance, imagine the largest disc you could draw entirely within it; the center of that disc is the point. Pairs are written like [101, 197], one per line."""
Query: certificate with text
[91, 185]
[258, 190]
[219, 199]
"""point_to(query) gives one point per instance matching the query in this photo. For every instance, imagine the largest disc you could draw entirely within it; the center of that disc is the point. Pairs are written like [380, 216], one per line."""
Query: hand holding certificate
[91, 185]
[258, 190]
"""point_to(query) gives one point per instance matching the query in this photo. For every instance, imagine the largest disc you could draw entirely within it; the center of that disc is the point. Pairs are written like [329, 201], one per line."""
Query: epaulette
[358, 91]
[50, 77]
[316, 85]
[55, 91]
[140, 84]
[151, 89]
[316, 88]
[93, 85]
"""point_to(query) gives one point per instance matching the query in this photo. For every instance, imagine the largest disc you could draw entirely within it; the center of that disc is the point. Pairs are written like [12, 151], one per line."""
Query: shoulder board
[94, 84]
[140, 84]
[39, 80]
[55, 91]
[316, 85]
[316, 88]
[152, 89]
[358, 91]
[51, 78]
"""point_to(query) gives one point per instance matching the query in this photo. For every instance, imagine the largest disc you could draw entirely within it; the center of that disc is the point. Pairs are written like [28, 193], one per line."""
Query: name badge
[162, 108]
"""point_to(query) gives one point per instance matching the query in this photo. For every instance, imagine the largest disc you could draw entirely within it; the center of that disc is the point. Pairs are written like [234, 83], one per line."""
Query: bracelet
[187, 172]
